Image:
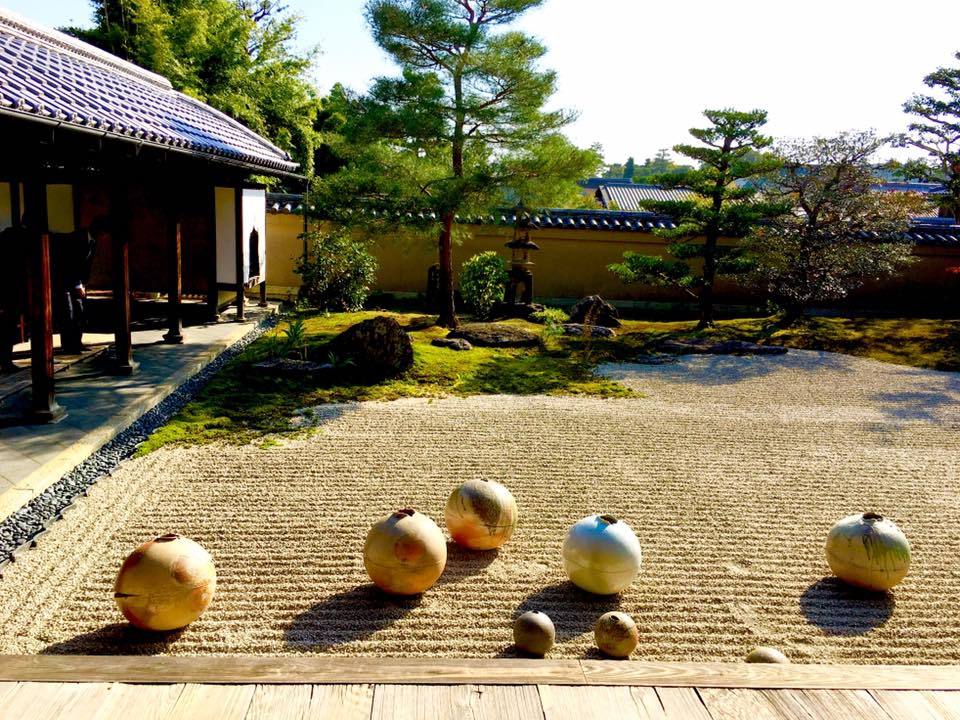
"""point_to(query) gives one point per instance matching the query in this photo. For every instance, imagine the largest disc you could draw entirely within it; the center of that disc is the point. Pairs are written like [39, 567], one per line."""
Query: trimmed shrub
[338, 273]
[482, 282]
[549, 316]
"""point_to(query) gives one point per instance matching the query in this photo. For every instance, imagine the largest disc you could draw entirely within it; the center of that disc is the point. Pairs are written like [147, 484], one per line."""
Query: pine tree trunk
[709, 276]
[448, 313]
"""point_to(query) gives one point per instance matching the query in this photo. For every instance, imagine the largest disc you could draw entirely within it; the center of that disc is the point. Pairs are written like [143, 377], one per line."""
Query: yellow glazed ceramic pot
[481, 514]
[165, 583]
[405, 554]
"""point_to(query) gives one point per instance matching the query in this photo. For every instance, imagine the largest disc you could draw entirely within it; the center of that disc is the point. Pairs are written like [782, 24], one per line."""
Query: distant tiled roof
[924, 230]
[595, 182]
[917, 187]
[45, 74]
[628, 196]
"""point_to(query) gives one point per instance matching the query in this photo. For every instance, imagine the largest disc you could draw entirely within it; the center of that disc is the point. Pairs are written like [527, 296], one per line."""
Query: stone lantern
[520, 286]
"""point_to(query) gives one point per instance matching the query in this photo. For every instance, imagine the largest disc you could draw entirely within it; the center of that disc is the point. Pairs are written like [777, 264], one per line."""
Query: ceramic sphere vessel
[616, 634]
[765, 654]
[601, 554]
[534, 633]
[481, 514]
[868, 551]
[165, 584]
[405, 553]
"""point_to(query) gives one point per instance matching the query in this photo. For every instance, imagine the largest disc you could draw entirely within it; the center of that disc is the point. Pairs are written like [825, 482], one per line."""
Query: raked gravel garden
[729, 469]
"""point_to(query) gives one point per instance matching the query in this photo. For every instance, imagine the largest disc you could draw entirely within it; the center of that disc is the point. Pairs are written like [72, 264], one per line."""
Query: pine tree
[629, 168]
[462, 129]
[731, 151]
[937, 132]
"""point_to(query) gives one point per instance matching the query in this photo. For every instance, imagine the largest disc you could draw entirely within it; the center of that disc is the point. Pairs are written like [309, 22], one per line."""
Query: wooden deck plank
[455, 702]
[682, 703]
[144, 702]
[787, 704]
[946, 703]
[41, 701]
[563, 702]
[213, 702]
[255, 670]
[840, 704]
[740, 704]
[906, 705]
[341, 702]
[756, 675]
[280, 702]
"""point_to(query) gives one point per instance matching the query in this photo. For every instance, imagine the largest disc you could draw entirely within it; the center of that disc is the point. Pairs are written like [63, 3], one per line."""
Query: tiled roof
[628, 196]
[924, 230]
[918, 187]
[47, 75]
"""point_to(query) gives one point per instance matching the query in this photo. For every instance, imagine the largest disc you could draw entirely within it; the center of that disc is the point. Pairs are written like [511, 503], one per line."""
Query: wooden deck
[264, 688]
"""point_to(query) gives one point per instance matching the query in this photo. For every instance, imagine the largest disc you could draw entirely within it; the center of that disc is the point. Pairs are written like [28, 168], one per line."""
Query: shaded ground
[242, 404]
[730, 470]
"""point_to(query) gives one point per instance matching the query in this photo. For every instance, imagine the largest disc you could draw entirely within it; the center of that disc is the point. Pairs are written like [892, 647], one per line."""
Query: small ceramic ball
[616, 634]
[765, 654]
[534, 633]
[481, 514]
[405, 553]
[868, 551]
[165, 584]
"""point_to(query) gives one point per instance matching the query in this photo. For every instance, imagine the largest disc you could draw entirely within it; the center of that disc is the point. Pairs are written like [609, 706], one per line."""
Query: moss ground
[241, 404]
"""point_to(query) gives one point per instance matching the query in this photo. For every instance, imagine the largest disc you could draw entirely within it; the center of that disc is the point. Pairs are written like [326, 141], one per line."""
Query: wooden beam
[239, 242]
[213, 290]
[43, 406]
[120, 239]
[174, 334]
[246, 669]
[293, 669]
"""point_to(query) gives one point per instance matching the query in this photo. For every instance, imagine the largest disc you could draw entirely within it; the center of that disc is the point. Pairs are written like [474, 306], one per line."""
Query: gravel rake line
[21, 530]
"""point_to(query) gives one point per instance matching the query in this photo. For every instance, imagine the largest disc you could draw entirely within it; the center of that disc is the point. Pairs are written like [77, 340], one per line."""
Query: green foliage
[295, 339]
[839, 233]
[338, 272]
[731, 151]
[236, 55]
[936, 131]
[660, 164]
[549, 316]
[462, 129]
[482, 282]
[629, 168]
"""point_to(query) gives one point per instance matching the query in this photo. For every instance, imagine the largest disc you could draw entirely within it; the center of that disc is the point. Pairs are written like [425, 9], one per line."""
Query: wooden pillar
[263, 294]
[120, 245]
[239, 241]
[174, 334]
[43, 407]
[213, 290]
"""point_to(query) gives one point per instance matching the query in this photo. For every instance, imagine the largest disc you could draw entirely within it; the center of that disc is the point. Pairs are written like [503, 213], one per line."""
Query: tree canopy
[236, 55]
[936, 131]
[839, 233]
[731, 151]
[462, 129]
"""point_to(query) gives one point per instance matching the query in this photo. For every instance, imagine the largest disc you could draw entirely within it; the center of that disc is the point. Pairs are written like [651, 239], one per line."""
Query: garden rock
[495, 335]
[523, 311]
[452, 343]
[378, 346]
[703, 346]
[594, 310]
[581, 330]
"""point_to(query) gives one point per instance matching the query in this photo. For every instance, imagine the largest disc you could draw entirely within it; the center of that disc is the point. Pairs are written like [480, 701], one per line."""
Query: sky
[640, 73]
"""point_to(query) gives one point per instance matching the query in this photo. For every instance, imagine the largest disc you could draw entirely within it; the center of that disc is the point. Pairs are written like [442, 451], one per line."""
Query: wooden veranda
[262, 688]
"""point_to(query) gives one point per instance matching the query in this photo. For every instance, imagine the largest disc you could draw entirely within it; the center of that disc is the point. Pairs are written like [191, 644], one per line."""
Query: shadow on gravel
[839, 609]
[347, 616]
[115, 639]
